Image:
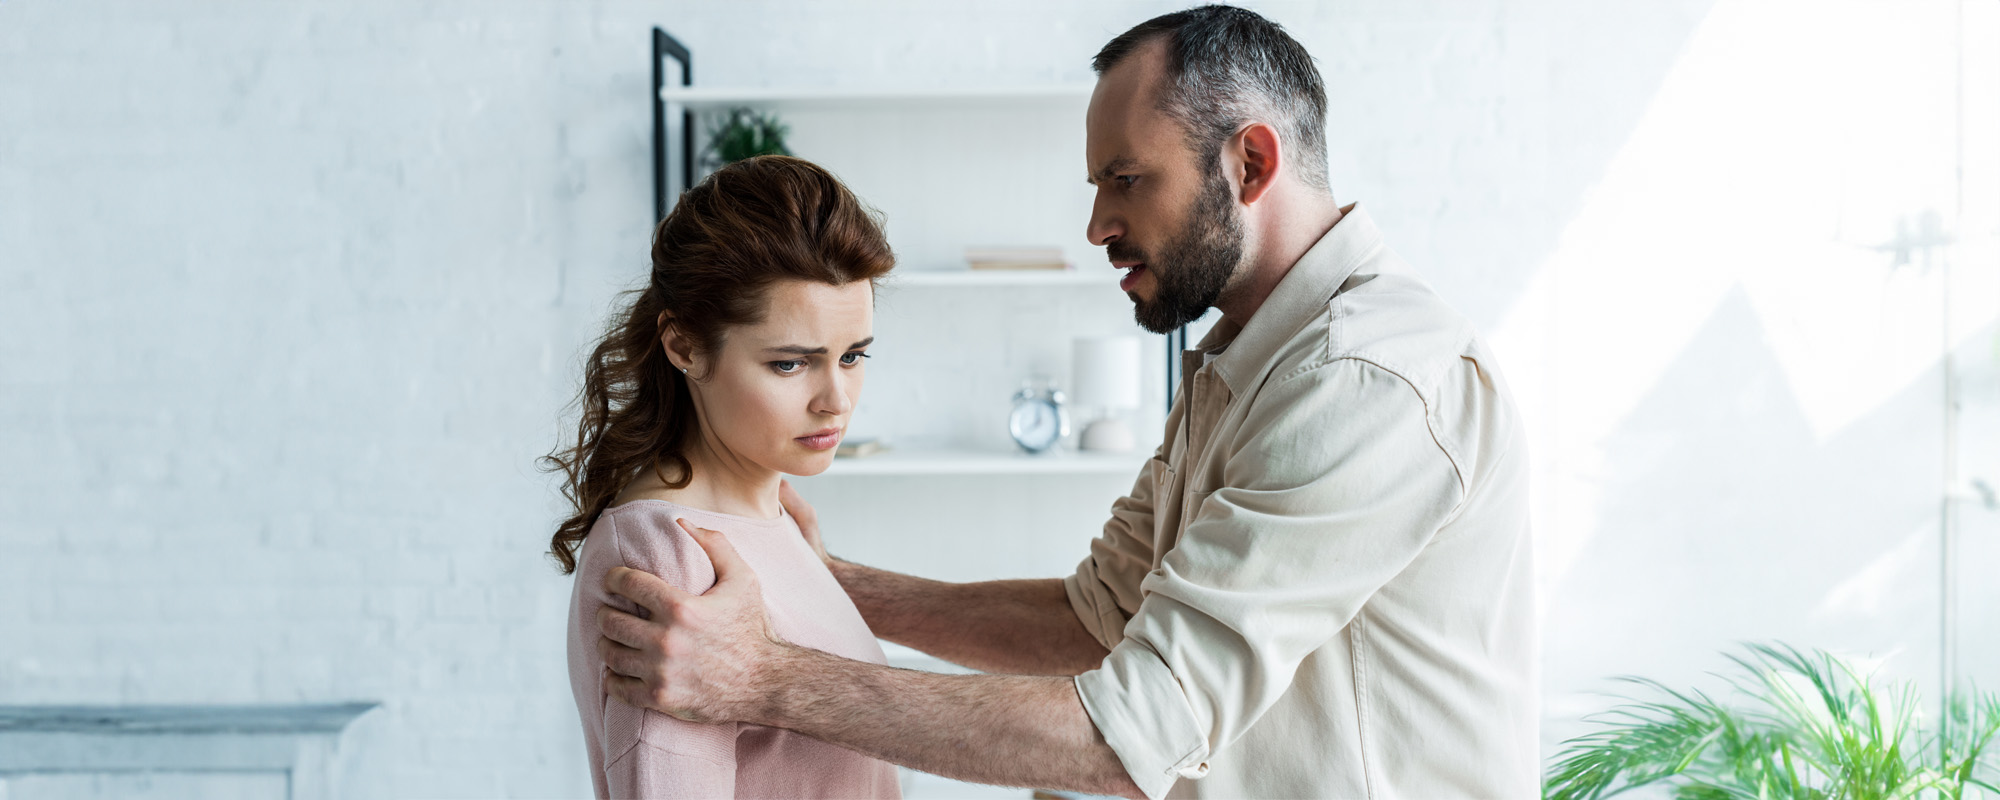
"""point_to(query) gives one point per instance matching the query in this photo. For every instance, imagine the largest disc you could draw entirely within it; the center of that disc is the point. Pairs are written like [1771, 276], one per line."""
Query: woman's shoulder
[643, 535]
[650, 501]
[664, 509]
[639, 535]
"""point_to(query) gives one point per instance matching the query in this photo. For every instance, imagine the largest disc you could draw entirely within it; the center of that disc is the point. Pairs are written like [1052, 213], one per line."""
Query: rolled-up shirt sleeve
[1334, 484]
[1104, 590]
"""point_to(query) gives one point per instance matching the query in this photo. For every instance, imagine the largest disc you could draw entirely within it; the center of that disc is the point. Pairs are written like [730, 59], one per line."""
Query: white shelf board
[912, 658]
[1102, 275]
[835, 99]
[983, 462]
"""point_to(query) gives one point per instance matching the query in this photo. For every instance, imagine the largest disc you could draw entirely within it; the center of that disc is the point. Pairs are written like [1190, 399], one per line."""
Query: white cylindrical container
[1105, 381]
[1106, 372]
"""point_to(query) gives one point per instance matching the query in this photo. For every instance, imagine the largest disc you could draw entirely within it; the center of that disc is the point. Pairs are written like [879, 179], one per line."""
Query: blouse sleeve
[647, 753]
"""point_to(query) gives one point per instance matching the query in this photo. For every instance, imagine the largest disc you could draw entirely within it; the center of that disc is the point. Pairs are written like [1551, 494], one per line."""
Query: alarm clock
[1040, 418]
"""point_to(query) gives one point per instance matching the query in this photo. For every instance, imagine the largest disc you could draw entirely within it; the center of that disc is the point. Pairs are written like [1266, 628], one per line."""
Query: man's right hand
[807, 519]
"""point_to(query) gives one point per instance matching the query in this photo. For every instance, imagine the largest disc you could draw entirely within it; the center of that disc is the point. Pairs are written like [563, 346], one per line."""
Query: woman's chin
[810, 463]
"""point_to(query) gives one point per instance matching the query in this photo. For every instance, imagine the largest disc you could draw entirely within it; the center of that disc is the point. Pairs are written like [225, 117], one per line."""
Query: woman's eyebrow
[802, 350]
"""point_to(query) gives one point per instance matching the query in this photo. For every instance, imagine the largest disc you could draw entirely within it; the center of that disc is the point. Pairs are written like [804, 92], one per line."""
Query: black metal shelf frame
[665, 47]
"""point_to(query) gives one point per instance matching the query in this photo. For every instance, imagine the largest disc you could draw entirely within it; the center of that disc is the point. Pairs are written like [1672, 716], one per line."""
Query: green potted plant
[1813, 727]
[743, 133]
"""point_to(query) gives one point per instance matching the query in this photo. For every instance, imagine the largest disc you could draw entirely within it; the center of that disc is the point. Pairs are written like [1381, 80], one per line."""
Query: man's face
[1168, 220]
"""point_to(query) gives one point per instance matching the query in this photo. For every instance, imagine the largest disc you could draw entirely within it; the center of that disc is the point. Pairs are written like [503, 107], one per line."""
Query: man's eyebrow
[802, 350]
[1113, 167]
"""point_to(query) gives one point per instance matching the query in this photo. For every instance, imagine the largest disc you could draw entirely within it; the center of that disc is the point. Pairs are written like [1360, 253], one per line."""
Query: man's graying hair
[1227, 66]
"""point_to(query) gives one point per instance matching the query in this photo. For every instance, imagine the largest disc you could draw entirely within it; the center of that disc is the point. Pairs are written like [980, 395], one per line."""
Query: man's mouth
[1131, 278]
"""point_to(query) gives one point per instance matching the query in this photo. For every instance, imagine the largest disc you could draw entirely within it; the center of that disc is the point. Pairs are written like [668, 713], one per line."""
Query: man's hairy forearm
[1021, 627]
[1012, 730]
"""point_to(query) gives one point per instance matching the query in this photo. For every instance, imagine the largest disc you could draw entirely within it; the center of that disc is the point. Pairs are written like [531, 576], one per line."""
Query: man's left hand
[701, 658]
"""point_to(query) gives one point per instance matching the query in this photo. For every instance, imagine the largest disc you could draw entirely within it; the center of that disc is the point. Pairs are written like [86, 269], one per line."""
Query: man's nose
[1105, 227]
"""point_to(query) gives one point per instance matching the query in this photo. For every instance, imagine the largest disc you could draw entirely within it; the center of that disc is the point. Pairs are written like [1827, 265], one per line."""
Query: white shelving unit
[901, 107]
[904, 104]
[1101, 276]
[807, 99]
[972, 462]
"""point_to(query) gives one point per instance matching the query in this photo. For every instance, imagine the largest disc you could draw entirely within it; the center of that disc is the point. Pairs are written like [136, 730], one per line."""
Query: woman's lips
[1131, 278]
[823, 440]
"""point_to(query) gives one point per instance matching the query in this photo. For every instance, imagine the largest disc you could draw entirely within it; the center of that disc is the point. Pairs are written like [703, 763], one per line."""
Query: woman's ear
[680, 351]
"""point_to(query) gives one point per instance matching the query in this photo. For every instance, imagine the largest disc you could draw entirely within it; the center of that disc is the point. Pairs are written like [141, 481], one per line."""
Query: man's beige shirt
[1321, 585]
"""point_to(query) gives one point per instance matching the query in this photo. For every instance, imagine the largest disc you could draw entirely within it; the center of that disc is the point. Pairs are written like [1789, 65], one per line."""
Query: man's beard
[1191, 271]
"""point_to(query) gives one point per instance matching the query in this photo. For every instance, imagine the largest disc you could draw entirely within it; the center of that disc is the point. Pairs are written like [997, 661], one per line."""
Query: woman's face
[779, 393]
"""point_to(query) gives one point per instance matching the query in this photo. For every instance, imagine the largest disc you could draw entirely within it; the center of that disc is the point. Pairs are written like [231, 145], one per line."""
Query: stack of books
[859, 448]
[984, 258]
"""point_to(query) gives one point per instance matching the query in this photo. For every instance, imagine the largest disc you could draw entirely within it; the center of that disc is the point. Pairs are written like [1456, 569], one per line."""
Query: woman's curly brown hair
[715, 256]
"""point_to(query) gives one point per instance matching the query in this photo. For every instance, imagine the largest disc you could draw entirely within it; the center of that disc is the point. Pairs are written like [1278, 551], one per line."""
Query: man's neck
[1278, 244]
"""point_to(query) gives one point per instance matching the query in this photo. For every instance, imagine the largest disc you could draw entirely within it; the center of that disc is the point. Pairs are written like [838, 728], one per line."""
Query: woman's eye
[853, 358]
[787, 367]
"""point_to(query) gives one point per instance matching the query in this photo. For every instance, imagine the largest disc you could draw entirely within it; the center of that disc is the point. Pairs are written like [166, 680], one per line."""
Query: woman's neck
[725, 482]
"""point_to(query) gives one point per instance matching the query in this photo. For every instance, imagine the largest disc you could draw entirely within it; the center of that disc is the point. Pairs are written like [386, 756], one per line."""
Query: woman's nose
[833, 397]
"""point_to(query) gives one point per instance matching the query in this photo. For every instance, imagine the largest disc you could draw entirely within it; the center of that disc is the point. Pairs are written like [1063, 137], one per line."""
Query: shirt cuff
[1138, 706]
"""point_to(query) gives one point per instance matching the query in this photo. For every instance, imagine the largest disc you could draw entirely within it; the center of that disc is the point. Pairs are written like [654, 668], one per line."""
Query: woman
[740, 361]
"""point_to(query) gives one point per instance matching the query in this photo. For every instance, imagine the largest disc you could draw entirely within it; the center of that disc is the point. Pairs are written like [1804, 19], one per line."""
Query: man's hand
[804, 515]
[701, 658]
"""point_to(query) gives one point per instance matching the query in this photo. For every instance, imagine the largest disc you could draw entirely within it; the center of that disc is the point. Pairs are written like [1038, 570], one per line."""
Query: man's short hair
[1227, 66]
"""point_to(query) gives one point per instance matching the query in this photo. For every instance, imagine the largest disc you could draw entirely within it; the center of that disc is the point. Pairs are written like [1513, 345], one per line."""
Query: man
[1319, 587]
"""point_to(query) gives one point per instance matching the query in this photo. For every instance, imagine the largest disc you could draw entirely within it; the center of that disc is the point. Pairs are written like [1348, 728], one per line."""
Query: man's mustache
[1115, 252]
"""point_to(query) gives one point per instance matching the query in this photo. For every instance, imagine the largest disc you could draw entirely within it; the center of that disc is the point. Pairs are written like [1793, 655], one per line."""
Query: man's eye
[1126, 181]
[787, 367]
[853, 358]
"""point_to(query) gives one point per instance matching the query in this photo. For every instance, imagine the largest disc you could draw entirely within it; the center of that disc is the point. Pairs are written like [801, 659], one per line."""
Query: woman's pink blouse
[638, 753]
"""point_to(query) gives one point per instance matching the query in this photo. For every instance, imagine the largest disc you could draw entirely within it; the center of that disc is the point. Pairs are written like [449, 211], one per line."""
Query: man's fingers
[623, 660]
[797, 506]
[802, 514]
[728, 564]
[630, 691]
[644, 588]
[621, 627]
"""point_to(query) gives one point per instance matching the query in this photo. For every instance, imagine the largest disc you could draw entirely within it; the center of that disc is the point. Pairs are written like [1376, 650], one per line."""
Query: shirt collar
[1296, 300]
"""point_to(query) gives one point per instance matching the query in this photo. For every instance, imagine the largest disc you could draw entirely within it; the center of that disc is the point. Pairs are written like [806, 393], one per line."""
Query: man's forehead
[1124, 121]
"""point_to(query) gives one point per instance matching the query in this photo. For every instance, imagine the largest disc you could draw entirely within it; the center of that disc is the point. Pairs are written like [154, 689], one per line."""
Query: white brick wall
[291, 296]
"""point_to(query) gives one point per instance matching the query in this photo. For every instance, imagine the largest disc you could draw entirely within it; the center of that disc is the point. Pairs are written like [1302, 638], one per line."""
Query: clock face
[1036, 424]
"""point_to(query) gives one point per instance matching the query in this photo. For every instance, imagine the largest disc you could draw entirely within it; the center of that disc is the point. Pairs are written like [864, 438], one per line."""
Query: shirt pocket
[1191, 501]
[1166, 505]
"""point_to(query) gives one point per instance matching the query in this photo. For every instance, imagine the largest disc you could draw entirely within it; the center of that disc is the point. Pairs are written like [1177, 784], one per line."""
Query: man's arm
[713, 658]
[1013, 730]
[1020, 627]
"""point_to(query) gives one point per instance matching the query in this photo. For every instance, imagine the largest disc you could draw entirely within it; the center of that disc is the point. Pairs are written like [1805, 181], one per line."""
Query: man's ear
[1257, 148]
